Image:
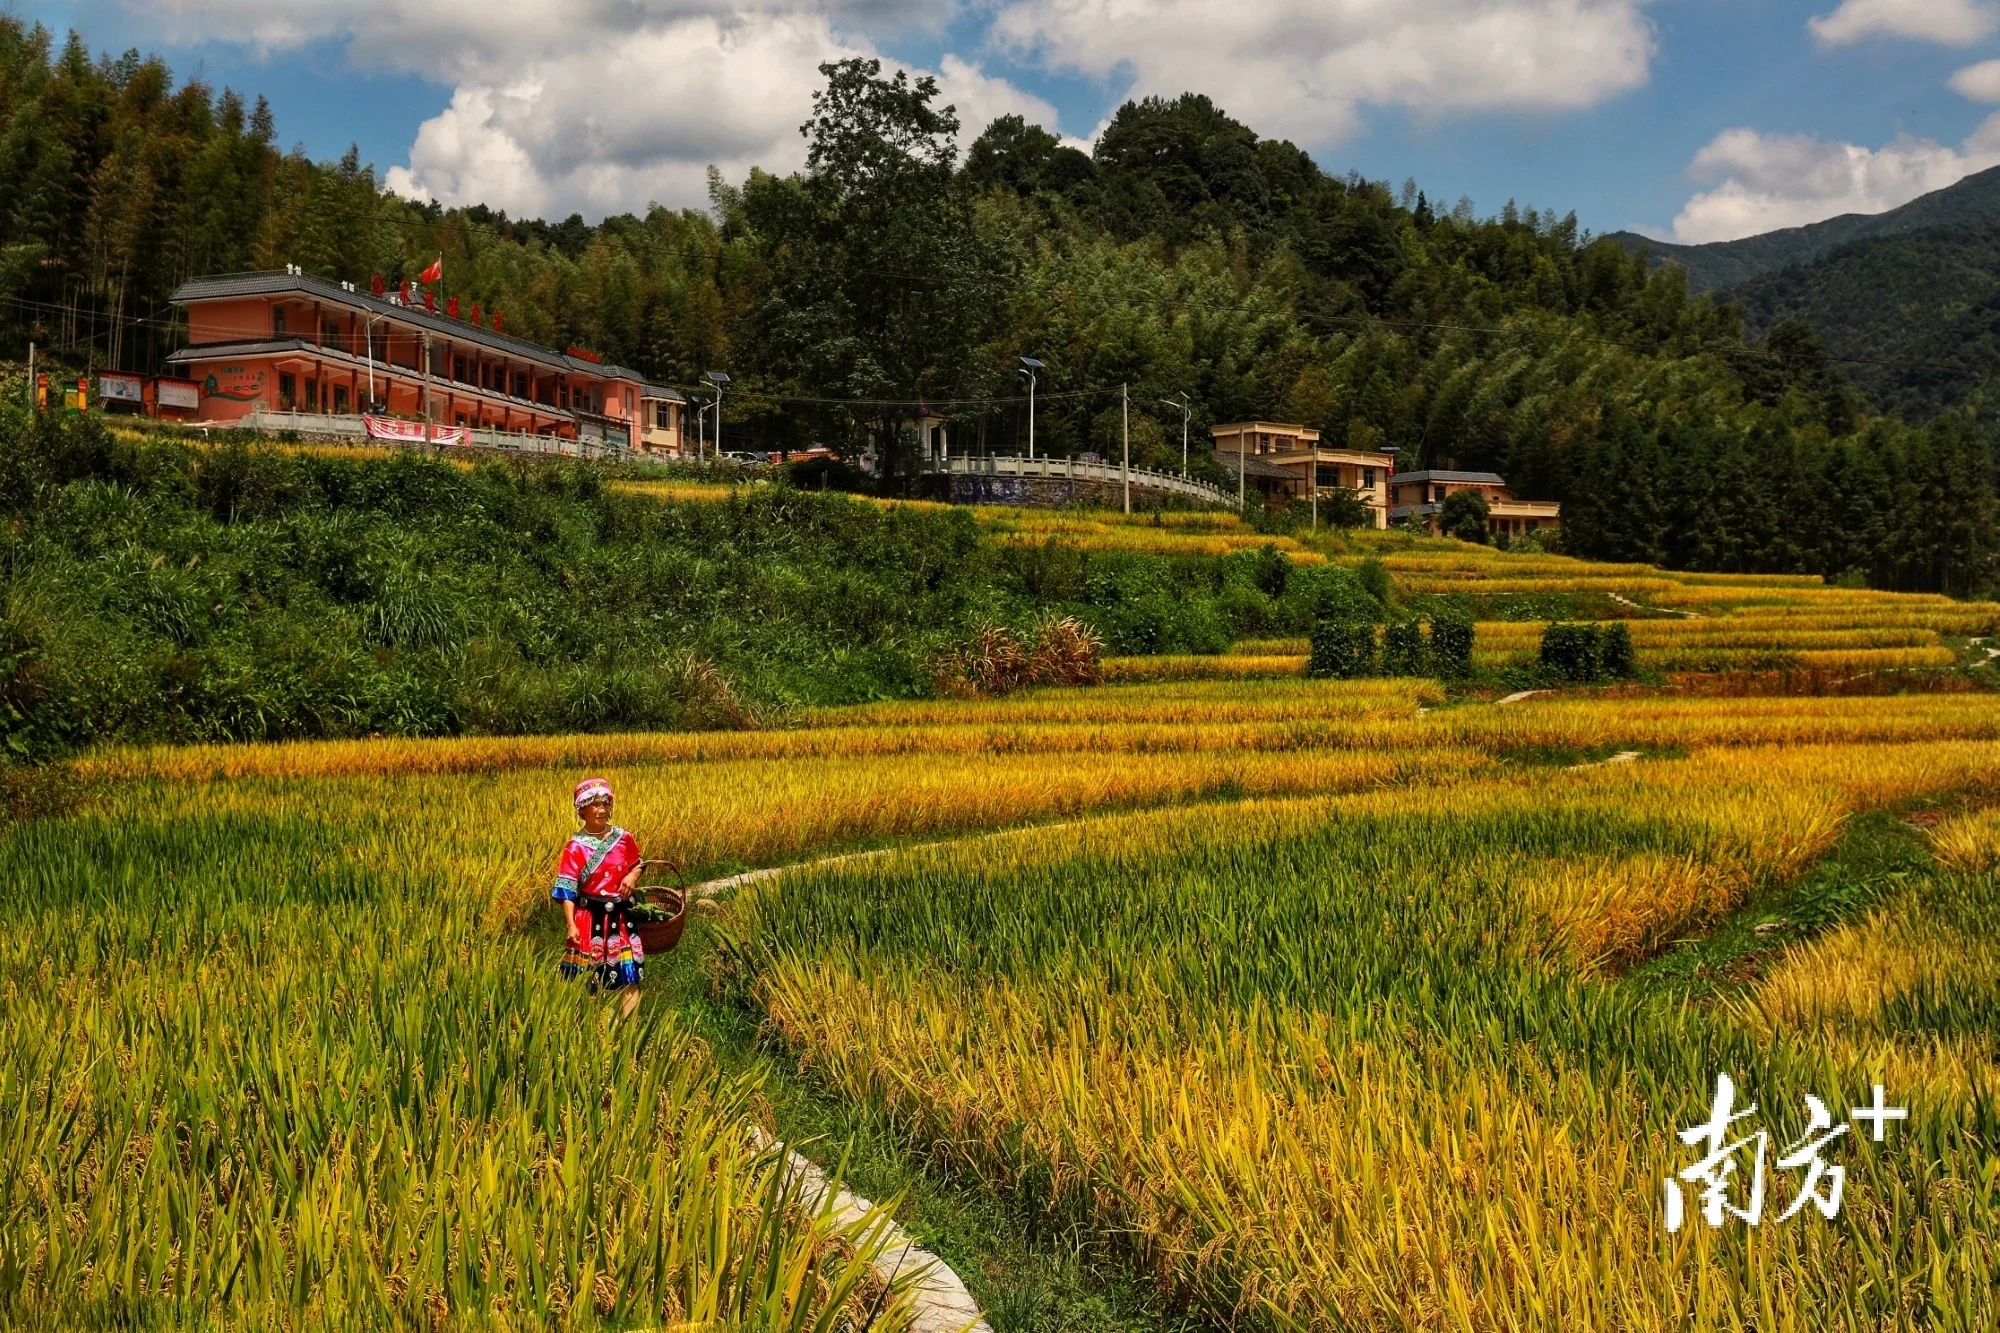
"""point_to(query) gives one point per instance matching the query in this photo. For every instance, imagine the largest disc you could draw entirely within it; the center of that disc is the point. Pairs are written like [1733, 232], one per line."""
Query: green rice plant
[263, 1074]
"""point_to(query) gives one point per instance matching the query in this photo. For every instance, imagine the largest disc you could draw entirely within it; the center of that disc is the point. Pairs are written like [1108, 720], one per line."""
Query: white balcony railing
[352, 427]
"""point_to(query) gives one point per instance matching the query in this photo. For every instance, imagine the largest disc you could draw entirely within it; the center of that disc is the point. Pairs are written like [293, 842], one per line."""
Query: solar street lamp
[1029, 367]
[718, 379]
[1185, 408]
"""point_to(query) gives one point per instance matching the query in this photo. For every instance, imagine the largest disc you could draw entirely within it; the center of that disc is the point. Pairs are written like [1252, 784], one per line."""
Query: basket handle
[673, 868]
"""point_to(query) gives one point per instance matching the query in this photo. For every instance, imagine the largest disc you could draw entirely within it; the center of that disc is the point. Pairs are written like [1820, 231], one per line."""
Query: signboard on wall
[121, 388]
[180, 393]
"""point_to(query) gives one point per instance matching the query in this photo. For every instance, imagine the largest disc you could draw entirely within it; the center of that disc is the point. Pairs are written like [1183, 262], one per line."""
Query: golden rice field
[1318, 1004]
[1188, 533]
[1371, 1059]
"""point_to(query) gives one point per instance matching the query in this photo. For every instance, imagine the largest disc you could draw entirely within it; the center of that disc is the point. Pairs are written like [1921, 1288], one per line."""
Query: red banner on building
[413, 432]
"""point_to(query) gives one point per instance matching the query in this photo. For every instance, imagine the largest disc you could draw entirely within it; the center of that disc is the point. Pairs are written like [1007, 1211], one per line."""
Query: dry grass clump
[1061, 650]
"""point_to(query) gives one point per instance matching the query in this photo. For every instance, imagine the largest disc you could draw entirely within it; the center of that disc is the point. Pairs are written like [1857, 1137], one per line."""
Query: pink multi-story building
[289, 342]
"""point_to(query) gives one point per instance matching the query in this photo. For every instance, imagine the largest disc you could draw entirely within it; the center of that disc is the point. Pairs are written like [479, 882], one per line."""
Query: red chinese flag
[434, 272]
[451, 307]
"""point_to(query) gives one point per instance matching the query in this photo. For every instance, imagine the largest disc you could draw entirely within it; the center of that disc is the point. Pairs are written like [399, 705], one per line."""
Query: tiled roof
[258, 347]
[1254, 466]
[280, 283]
[1482, 478]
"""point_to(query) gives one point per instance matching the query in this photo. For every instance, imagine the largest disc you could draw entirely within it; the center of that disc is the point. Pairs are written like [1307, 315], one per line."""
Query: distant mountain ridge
[1720, 265]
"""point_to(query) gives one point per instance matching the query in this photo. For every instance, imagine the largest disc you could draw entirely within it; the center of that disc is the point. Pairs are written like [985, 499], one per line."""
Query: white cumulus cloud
[1952, 22]
[1763, 182]
[1304, 70]
[602, 106]
[1980, 82]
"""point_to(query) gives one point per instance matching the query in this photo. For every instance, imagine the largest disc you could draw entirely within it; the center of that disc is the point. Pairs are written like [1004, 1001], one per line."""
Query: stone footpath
[938, 1298]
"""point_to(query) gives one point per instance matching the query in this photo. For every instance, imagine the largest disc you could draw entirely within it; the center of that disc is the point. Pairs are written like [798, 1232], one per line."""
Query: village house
[1421, 496]
[289, 342]
[1283, 461]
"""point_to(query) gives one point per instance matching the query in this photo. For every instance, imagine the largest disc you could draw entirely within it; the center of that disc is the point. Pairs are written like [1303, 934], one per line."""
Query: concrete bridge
[1055, 481]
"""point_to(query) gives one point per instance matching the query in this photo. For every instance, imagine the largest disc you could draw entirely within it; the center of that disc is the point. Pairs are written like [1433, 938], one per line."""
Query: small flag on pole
[433, 273]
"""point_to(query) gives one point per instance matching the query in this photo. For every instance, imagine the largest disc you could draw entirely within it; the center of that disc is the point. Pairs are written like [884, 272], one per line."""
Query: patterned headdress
[590, 789]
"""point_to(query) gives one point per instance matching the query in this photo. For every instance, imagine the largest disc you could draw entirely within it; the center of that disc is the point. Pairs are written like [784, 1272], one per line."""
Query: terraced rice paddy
[1320, 1005]
[1378, 1059]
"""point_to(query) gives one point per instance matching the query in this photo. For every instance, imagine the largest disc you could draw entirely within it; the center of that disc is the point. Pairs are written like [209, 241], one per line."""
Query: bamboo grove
[1184, 254]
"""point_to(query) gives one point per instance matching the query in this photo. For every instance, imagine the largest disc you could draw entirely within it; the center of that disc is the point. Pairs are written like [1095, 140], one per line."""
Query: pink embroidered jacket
[595, 867]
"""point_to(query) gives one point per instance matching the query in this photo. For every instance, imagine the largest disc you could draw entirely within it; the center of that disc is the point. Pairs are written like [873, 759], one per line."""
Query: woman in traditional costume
[594, 879]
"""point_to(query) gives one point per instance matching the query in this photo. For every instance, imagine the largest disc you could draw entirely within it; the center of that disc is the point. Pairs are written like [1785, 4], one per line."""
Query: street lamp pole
[368, 336]
[1030, 367]
[718, 379]
[1185, 407]
[1125, 408]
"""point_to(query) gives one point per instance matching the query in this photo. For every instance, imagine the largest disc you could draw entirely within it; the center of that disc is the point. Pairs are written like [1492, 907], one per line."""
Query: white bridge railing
[1068, 469]
[351, 427]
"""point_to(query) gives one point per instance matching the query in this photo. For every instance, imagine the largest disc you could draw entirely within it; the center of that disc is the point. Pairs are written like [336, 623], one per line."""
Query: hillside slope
[1919, 313]
[1720, 265]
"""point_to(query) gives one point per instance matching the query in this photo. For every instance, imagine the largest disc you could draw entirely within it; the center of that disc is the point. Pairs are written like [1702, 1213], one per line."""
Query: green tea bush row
[1585, 653]
[1345, 648]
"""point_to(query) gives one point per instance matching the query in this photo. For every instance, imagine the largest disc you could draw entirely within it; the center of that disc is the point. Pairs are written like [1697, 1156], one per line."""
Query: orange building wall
[229, 321]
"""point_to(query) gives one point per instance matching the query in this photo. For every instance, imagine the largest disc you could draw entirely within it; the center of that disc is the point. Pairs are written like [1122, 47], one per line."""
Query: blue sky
[1697, 119]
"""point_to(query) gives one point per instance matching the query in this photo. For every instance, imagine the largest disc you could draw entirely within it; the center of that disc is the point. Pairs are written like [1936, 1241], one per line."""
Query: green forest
[1184, 255]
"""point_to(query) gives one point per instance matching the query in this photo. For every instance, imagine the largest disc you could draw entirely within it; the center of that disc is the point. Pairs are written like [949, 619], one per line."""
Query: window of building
[312, 395]
[458, 372]
[1437, 495]
[460, 420]
[340, 399]
[562, 395]
[287, 391]
[663, 416]
[329, 334]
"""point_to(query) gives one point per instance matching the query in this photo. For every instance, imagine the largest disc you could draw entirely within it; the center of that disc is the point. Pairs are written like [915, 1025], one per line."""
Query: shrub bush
[1404, 652]
[1451, 644]
[1570, 652]
[1342, 649]
[1614, 650]
[162, 591]
[1582, 653]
